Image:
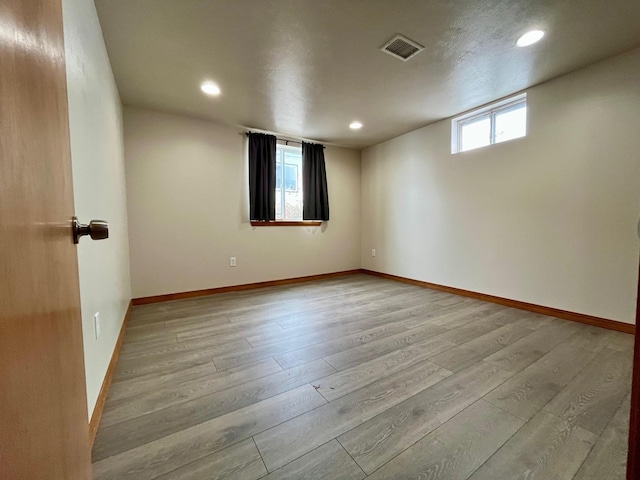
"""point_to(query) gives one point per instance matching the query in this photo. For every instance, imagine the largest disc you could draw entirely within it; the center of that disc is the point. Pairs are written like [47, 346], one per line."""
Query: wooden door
[43, 410]
[633, 457]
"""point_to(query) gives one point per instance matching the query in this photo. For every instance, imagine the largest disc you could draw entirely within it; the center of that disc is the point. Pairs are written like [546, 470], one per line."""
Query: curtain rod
[287, 142]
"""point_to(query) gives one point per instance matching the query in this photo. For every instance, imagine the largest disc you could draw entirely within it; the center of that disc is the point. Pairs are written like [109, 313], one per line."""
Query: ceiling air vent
[401, 47]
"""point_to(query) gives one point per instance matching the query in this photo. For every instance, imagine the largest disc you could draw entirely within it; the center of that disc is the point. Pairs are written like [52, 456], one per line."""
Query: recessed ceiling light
[210, 88]
[355, 125]
[530, 38]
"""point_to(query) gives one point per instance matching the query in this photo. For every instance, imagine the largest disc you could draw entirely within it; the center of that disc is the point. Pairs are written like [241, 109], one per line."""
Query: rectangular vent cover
[402, 48]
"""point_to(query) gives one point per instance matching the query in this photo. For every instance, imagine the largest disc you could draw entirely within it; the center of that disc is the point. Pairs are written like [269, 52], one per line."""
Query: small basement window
[495, 123]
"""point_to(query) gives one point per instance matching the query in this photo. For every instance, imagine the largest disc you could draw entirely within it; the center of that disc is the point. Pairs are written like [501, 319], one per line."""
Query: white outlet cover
[373, 252]
[232, 261]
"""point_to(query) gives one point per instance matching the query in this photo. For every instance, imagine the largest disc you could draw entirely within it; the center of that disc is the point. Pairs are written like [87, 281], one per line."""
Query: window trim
[286, 223]
[490, 111]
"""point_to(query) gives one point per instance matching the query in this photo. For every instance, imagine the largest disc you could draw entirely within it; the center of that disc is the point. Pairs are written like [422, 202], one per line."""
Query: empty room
[319, 239]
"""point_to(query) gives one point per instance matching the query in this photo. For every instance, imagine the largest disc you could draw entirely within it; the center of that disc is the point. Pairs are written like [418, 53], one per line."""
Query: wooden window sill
[284, 223]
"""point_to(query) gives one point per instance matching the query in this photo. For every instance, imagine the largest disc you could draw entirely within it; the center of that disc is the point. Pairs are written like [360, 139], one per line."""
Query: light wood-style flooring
[358, 376]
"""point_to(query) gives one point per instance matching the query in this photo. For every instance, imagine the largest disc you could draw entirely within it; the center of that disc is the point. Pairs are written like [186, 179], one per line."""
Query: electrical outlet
[96, 324]
[373, 252]
[232, 261]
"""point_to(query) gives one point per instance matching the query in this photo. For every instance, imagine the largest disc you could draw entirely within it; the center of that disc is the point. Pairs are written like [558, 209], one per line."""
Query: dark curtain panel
[314, 183]
[262, 176]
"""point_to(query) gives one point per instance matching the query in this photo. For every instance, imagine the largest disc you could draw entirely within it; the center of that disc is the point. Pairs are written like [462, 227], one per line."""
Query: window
[498, 122]
[277, 194]
[288, 182]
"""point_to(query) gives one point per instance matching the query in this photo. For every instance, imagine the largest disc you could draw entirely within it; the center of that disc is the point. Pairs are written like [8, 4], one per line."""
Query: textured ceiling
[307, 68]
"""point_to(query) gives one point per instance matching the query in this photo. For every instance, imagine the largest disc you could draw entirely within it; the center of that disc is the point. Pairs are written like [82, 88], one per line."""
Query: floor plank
[608, 458]
[546, 447]
[346, 381]
[121, 388]
[325, 349]
[531, 389]
[210, 344]
[477, 323]
[143, 429]
[479, 348]
[524, 352]
[163, 395]
[238, 462]
[456, 449]
[377, 441]
[169, 453]
[328, 462]
[357, 355]
[591, 399]
[284, 443]
[458, 317]
[437, 311]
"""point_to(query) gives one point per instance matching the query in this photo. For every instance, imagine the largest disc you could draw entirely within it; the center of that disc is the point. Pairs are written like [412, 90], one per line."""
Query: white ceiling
[307, 68]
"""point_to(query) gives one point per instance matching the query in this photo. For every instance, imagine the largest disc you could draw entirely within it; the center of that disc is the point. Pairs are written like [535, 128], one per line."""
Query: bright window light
[499, 122]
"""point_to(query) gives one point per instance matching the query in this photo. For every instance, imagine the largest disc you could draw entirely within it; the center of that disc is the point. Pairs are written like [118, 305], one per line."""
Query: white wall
[188, 211]
[95, 119]
[549, 219]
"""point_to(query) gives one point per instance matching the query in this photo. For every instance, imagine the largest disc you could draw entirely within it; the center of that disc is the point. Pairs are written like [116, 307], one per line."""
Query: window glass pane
[510, 123]
[278, 174]
[279, 211]
[293, 184]
[290, 177]
[476, 133]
